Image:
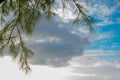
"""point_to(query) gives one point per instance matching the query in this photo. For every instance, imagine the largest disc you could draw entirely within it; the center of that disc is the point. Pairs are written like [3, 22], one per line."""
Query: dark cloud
[54, 43]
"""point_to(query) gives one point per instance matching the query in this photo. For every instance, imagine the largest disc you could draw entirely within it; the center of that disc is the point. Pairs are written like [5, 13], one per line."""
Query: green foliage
[24, 16]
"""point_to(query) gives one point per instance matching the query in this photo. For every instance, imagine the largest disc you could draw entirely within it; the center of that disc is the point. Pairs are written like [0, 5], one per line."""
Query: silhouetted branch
[1, 1]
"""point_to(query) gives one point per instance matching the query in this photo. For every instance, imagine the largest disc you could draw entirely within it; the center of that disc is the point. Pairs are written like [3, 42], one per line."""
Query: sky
[64, 51]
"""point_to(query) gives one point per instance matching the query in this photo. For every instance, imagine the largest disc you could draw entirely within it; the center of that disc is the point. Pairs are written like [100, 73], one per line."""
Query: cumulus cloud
[54, 43]
[87, 68]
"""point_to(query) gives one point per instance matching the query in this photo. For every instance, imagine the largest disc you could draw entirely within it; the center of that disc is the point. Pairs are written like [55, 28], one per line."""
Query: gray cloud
[54, 43]
[94, 53]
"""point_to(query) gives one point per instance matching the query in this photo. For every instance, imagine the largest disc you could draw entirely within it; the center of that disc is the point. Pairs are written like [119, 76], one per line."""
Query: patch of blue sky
[110, 58]
[115, 18]
[116, 13]
[110, 43]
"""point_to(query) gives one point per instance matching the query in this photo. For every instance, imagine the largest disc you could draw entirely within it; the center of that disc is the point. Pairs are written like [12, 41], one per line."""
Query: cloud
[87, 68]
[54, 43]
[107, 55]
[103, 11]
[101, 53]
[102, 35]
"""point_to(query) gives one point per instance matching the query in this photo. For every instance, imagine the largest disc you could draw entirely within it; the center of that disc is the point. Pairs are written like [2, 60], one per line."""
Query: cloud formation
[87, 68]
[101, 53]
[55, 43]
[103, 10]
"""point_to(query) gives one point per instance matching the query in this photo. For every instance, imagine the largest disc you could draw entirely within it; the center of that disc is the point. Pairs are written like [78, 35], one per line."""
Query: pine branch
[1, 1]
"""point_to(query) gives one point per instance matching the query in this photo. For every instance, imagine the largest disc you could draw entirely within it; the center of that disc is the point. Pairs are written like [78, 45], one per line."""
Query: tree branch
[1, 1]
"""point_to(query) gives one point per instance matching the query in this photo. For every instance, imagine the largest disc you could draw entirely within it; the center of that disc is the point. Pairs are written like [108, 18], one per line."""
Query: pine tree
[24, 16]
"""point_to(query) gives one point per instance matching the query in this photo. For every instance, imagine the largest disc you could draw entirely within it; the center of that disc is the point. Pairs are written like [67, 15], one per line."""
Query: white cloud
[57, 41]
[101, 52]
[102, 35]
[103, 10]
[65, 15]
[107, 55]
[84, 68]
[10, 71]
[94, 69]
[54, 43]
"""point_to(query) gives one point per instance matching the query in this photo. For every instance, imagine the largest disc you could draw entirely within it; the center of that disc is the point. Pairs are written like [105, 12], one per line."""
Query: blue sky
[111, 43]
[64, 51]
[110, 32]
